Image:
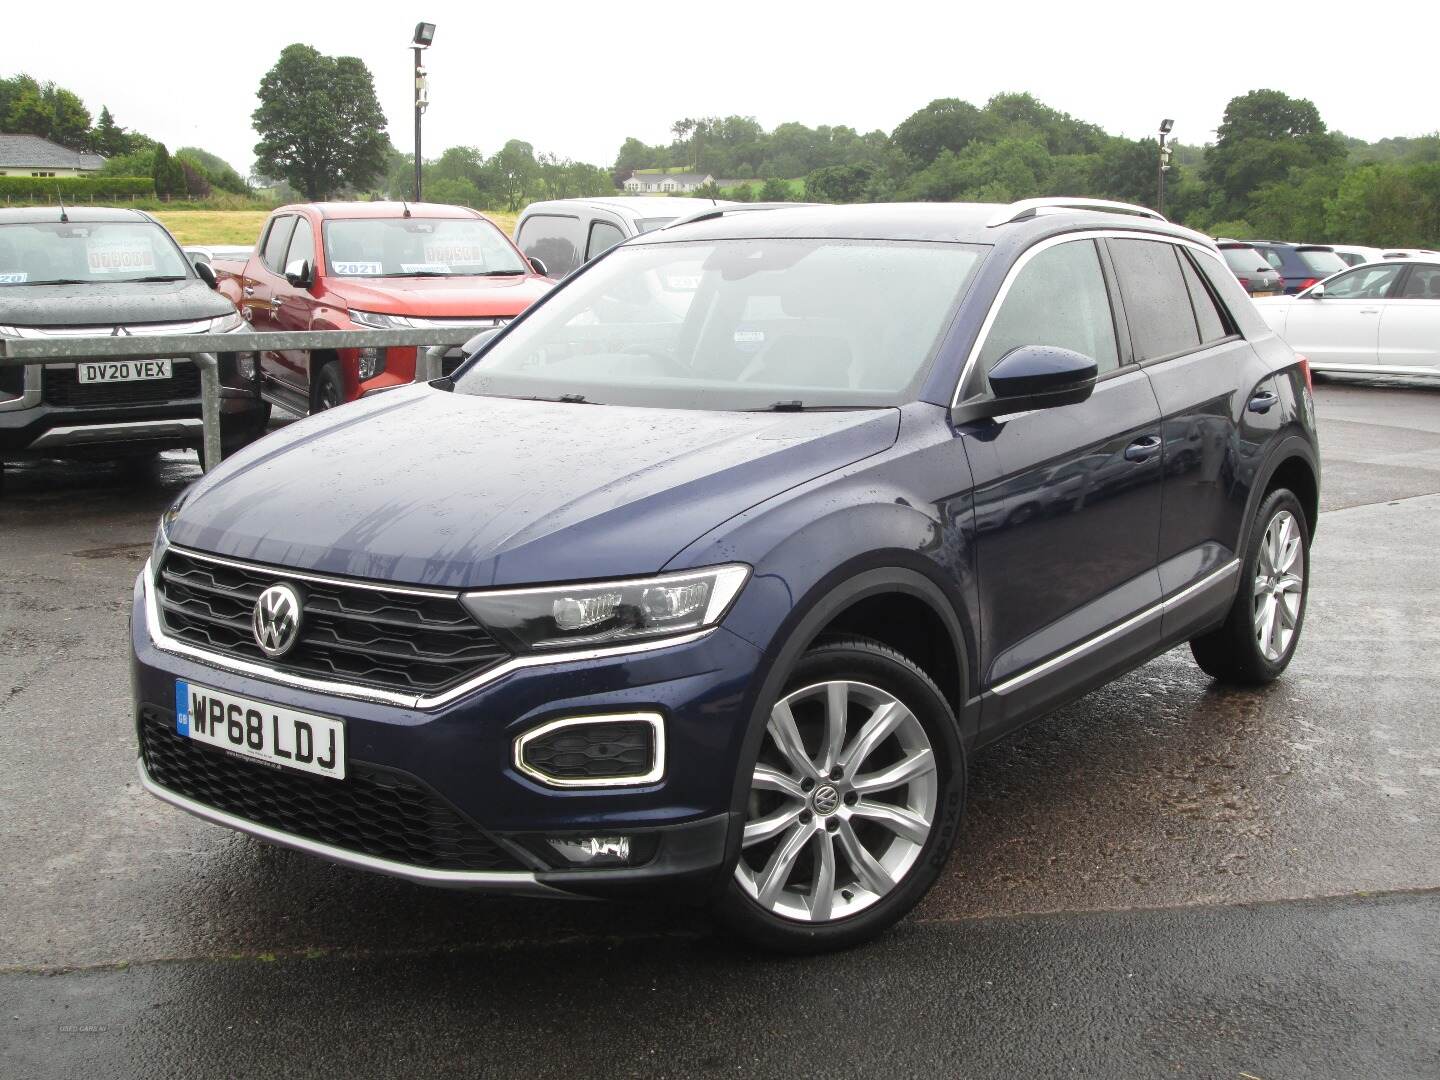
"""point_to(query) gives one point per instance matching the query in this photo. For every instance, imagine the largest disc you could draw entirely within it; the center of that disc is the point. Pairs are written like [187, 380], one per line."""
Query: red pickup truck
[370, 265]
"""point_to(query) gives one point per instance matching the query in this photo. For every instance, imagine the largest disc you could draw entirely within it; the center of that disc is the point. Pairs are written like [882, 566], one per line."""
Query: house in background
[30, 155]
[658, 183]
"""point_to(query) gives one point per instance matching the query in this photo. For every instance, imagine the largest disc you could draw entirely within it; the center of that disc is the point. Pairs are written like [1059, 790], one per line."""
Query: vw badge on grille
[276, 620]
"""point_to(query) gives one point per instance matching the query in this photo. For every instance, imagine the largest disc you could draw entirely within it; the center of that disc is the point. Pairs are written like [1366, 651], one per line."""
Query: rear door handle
[1263, 402]
[1142, 449]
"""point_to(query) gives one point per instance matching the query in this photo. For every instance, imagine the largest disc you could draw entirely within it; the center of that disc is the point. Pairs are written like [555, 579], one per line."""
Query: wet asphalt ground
[1166, 878]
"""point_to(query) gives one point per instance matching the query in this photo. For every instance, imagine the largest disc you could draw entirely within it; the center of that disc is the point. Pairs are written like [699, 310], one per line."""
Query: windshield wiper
[499, 273]
[155, 277]
[54, 281]
[420, 273]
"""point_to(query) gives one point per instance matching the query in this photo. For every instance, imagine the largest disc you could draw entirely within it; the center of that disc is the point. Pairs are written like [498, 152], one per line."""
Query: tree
[838, 183]
[215, 169]
[107, 138]
[775, 190]
[1264, 135]
[169, 174]
[320, 124]
[516, 172]
[944, 124]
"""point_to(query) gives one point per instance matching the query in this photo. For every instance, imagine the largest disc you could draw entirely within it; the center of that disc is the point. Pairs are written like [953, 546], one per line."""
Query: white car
[1380, 318]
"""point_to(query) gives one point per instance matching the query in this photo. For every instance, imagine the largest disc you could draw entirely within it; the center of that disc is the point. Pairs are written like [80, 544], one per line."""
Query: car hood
[110, 304]
[428, 487]
[442, 297]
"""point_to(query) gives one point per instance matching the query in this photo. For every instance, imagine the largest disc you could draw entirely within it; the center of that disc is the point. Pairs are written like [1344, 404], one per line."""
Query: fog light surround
[616, 750]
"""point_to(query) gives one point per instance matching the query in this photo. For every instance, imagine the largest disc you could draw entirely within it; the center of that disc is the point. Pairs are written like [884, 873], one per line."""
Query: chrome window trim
[1076, 651]
[1045, 245]
[165, 643]
[511, 881]
[655, 773]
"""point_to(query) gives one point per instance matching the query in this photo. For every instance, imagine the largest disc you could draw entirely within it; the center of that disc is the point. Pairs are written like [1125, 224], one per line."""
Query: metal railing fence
[431, 344]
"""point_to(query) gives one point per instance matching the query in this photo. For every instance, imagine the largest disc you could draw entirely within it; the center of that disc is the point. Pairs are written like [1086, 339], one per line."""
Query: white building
[665, 183]
[30, 155]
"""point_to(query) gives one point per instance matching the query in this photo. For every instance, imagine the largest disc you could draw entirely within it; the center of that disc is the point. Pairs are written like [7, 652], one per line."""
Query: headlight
[376, 320]
[224, 324]
[608, 613]
[162, 536]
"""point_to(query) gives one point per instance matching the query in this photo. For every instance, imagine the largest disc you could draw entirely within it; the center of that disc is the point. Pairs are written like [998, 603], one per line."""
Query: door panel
[295, 307]
[1067, 531]
[1410, 323]
[1335, 331]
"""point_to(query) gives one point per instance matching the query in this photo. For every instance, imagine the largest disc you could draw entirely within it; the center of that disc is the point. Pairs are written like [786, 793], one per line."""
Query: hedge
[75, 188]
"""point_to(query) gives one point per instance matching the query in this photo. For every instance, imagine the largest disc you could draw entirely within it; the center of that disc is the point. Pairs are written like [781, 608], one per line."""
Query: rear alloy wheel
[1260, 634]
[853, 802]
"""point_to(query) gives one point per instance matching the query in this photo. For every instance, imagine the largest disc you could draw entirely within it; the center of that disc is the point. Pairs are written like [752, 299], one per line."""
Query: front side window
[302, 244]
[1369, 283]
[737, 324]
[418, 247]
[603, 236]
[1058, 298]
[49, 253]
[555, 240]
[276, 241]
[1157, 301]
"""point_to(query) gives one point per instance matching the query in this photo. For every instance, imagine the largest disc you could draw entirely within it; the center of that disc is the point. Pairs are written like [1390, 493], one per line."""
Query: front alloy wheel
[853, 801]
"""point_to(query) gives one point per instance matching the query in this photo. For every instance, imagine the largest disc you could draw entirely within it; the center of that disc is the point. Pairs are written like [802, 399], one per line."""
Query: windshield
[1321, 261]
[50, 253]
[737, 324]
[1245, 260]
[418, 247]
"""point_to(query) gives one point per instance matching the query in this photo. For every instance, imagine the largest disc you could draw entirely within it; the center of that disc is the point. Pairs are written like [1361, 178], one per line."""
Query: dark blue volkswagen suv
[711, 572]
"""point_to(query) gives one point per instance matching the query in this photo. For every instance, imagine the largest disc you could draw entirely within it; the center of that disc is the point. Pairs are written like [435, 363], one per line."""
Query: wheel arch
[1292, 464]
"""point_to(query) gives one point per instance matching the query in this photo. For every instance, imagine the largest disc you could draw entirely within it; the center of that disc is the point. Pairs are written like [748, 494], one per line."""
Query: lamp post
[424, 35]
[1165, 128]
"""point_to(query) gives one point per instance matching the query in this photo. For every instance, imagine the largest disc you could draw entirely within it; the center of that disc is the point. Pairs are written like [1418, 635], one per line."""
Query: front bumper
[462, 751]
[33, 427]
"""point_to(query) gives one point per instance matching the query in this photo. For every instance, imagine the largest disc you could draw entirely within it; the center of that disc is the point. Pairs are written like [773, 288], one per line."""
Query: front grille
[366, 637]
[62, 386]
[374, 811]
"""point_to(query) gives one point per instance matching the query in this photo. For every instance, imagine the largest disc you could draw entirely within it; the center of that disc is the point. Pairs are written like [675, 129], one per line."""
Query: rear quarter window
[1157, 302]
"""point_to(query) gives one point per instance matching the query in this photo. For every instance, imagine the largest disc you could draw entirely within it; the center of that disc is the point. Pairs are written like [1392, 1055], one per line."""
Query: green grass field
[243, 226]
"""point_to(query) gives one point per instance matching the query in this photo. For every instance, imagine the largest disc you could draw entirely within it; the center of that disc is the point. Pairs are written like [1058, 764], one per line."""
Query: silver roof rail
[1025, 209]
[722, 209]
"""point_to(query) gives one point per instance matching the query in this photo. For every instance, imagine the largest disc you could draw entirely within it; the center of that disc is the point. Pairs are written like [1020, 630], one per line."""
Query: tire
[1234, 653]
[823, 816]
[329, 388]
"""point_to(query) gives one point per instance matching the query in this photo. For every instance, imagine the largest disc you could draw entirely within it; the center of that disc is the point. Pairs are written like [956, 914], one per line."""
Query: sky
[576, 79]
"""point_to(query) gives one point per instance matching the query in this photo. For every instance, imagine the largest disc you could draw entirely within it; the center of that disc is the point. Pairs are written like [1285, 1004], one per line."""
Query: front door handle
[275, 302]
[249, 290]
[1143, 449]
[1263, 402]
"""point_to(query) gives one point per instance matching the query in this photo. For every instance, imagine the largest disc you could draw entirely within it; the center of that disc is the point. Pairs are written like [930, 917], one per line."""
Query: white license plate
[124, 370]
[253, 729]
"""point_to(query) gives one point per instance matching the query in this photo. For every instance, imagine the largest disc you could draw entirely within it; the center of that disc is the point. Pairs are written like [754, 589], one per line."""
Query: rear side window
[276, 241]
[1157, 302]
[556, 241]
[1059, 299]
[1207, 315]
[603, 236]
[302, 245]
[1424, 284]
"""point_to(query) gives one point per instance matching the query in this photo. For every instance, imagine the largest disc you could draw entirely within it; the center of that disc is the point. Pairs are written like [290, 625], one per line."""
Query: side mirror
[1317, 292]
[298, 274]
[206, 273]
[539, 265]
[478, 342]
[1035, 377]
